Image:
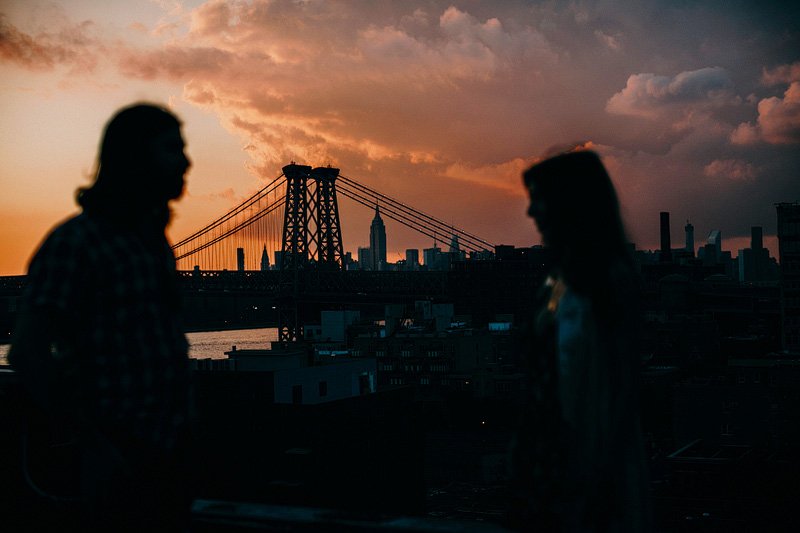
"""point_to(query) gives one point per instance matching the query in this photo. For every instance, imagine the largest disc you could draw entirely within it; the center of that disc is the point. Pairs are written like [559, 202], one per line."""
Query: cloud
[70, 44]
[781, 74]
[733, 169]
[778, 120]
[649, 95]
[611, 42]
[427, 86]
[173, 62]
[505, 175]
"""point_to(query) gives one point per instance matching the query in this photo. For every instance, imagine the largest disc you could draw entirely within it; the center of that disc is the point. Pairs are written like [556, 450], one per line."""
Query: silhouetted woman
[578, 458]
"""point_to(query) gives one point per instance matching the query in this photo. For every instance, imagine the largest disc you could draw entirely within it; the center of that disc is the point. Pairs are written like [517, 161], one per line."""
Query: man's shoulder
[75, 227]
[67, 237]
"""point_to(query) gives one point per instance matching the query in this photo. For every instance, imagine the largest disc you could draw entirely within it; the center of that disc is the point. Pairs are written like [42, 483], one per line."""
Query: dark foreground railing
[211, 516]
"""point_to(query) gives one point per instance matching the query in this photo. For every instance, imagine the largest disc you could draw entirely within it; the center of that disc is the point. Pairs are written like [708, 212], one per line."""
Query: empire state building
[377, 241]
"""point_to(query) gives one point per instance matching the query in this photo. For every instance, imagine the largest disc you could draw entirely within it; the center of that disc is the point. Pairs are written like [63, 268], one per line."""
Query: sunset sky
[694, 106]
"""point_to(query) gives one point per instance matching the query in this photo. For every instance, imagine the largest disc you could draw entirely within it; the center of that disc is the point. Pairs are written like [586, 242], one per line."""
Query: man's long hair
[122, 190]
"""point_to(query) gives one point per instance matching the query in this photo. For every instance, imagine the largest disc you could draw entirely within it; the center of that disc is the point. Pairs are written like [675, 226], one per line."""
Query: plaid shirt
[117, 336]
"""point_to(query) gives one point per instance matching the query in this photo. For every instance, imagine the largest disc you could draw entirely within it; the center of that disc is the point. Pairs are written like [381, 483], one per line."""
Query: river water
[213, 344]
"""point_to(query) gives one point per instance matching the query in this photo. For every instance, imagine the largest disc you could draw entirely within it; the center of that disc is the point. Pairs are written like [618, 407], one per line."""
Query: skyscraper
[412, 259]
[454, 247]
[754, 262]
[689, 229]
[364, 258]
[715, 239]
[789, 252]
[240, 259]
[666, 246]
[377, 241]
[264, 260]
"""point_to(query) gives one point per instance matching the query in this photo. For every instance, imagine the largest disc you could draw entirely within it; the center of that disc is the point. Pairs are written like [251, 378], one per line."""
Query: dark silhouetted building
[240, 259]
[666, 246]
[412, 259]
[789, 256]
[754, 262]
[364, 258]
[715, 239]
[264, 260]
[377, 241]
[689, 229]
[435, 259]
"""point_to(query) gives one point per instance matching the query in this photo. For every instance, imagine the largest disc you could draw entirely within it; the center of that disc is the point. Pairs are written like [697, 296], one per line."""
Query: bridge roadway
[216, 299]
[319, 284]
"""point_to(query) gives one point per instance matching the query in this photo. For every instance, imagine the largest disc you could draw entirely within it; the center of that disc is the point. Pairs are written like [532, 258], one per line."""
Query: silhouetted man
[99, 339]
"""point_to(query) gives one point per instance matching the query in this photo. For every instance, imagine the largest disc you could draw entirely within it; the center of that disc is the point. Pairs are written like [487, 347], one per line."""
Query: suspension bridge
[296, 216]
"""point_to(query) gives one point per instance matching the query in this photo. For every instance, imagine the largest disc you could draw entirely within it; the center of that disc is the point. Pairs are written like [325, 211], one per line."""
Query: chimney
[756, 238]
[666, 246]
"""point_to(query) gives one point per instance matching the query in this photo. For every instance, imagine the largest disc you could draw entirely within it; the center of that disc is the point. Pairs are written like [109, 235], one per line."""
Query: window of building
[363, 384]
[424, 381]
[503, 386]
[297, 394]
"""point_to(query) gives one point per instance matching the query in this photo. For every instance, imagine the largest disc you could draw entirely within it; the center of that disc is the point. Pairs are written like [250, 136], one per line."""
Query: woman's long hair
[586, 231]
[122, 190]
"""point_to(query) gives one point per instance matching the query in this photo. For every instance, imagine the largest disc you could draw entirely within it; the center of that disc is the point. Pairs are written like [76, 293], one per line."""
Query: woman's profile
[578, 457]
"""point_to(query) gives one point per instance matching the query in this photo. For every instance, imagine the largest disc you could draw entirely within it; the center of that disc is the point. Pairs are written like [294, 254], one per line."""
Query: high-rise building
[264, 260]
[364, 258]
[756, 238]
[377, 241]
[454, 247]
[666, 245]
[689, 229]
[789, 257]
[412, 259]
[434, 259]
[240, 259]
[715, 239]
[754, 262]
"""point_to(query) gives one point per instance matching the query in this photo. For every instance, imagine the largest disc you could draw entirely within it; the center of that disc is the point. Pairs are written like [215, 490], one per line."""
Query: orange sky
[695, 108]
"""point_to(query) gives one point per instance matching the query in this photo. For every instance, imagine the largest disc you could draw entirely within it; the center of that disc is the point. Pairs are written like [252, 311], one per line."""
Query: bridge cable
[403, 217]
[241, 225]
[418, 213]
[235, 211]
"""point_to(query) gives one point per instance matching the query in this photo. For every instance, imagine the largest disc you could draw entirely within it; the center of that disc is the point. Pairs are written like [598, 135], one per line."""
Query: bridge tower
[312, 238]
[325, 212]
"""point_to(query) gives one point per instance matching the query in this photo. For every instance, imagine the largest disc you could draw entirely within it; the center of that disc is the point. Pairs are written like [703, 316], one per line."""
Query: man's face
[168, 163]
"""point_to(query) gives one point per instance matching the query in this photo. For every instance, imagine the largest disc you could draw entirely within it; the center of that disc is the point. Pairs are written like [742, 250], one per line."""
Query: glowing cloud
[648, 95]
[732, 169]
[778, 119]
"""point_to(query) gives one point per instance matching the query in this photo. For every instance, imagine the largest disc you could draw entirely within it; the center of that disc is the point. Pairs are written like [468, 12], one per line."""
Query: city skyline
[695, 109]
